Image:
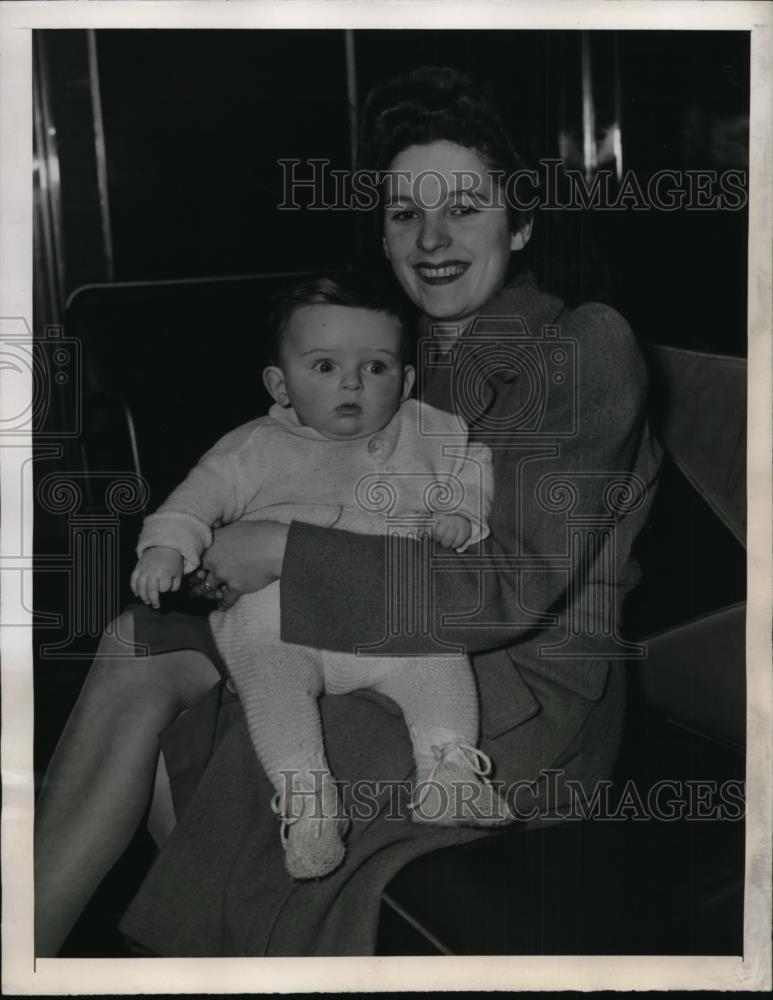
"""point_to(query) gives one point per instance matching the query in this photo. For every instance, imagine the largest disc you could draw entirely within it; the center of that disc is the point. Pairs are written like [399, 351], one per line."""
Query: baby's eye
[376, 367]
[324, 366]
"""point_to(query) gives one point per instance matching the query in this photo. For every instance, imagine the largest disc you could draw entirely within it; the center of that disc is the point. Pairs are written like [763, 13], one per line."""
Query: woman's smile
[441, 274]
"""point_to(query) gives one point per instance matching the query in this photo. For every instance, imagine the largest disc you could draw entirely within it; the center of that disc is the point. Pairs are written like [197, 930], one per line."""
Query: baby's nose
[351, 380]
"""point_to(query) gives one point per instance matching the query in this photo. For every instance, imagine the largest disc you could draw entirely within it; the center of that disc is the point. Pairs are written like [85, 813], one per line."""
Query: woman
[558, 394]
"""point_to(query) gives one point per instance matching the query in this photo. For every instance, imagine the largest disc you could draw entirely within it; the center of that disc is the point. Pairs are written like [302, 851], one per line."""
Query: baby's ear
[274, 381]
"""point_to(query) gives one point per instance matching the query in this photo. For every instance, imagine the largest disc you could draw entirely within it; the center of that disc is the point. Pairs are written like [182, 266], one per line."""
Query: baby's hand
[159, 569]
[451, 530]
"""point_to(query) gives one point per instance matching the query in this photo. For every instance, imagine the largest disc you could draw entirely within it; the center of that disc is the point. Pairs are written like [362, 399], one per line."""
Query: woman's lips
[441, 274]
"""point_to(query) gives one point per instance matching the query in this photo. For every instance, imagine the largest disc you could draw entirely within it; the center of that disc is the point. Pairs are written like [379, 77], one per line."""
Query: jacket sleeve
[517, 582]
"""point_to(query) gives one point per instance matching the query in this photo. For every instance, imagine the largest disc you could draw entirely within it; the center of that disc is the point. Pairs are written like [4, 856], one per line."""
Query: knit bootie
[456, 791]
[312, 827]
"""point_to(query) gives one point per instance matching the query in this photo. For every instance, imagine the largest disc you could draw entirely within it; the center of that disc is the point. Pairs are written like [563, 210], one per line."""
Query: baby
[342, 445]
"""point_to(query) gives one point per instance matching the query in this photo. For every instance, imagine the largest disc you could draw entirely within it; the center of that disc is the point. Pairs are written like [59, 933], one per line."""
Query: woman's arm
[337, 586]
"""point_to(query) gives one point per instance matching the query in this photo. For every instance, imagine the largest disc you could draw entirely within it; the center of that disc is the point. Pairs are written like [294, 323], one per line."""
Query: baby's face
[341, 370]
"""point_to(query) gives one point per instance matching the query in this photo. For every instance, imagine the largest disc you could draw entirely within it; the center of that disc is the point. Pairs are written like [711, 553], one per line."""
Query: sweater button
[375, 444]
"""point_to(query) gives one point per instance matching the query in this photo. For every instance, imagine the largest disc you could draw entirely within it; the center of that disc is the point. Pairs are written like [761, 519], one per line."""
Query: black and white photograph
[386, 467]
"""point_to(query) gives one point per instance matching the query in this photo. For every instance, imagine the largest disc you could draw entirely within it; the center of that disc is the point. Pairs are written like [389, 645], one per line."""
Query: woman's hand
[243, 557]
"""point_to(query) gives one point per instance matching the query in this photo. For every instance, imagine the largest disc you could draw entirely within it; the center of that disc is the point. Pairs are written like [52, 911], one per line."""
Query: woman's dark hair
[355, 290]
[431, 104]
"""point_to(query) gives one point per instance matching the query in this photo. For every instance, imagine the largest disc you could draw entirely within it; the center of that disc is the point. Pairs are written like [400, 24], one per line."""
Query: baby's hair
[356, 291]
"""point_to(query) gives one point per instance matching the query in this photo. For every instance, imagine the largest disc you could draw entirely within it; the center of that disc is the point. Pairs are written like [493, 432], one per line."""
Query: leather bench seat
[594, 886]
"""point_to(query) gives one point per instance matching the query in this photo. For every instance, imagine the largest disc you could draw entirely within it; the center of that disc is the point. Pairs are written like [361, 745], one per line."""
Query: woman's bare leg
[101, 775]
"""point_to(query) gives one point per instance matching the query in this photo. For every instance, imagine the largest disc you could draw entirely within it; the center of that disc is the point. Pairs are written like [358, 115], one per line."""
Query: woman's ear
[385, 247]
[274, 381]
[409, 377]
[521, 237]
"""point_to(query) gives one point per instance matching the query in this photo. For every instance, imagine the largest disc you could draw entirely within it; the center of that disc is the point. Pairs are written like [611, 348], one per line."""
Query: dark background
[195, 122]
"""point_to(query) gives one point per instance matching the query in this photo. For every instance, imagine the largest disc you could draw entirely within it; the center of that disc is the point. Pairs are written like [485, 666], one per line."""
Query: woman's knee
[125, 681]
[126, 672]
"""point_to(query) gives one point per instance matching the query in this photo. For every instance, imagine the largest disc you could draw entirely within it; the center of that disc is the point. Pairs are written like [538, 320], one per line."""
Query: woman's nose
[433, 233]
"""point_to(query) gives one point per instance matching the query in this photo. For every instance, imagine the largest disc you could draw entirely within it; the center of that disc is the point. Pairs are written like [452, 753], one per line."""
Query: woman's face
[446, 230]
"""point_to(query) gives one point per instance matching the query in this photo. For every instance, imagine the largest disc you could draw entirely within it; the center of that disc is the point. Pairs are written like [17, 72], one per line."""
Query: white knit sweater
[273, 468]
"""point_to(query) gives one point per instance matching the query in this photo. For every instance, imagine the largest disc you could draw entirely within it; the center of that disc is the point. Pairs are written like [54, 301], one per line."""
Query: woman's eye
[402, 215]
[464, 210]
[323, 366]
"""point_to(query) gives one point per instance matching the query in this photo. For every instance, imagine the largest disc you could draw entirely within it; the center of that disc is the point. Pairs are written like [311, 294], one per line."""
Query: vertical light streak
[100, 153]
